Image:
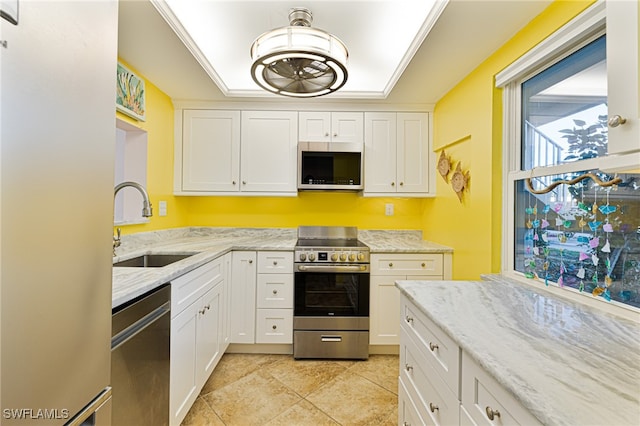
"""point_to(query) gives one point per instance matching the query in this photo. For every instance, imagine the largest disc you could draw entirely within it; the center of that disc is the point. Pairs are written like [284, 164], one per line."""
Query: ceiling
[199, 50]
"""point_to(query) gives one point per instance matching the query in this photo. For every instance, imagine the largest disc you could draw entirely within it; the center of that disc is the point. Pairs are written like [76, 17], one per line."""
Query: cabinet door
[384, 310]
[243, 297]
[623, 51]
[413, 153]
[380, 152]
[210, 150]
[209, 347]
[183, 381]
[268, 154]
[314, 126]
[347, 127]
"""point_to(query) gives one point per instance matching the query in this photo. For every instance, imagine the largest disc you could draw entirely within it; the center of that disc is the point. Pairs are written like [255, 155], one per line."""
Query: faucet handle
[116, 241]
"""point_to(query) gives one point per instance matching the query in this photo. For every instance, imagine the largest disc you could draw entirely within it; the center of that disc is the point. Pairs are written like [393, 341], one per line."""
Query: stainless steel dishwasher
[140, 347]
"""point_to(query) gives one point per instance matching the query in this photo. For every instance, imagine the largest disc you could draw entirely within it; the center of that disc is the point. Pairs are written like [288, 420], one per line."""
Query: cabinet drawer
[275, 291]
[402, 264]
[275, 262]
[435, 402]
[443, 353]
[274, 326]
[483, 395]
[407, 410]
[190, 286]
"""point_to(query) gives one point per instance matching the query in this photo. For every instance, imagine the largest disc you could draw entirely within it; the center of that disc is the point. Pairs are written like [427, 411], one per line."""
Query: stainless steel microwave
[330, 166]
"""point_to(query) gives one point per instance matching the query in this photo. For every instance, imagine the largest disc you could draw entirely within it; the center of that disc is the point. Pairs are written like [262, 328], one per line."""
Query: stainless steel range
[331, 294]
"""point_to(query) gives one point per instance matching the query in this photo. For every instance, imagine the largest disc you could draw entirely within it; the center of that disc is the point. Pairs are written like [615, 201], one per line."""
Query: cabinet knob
[433, 407]
[433, 346]
[491, 413]
[423, 264]
[390, 264]
[275, 262]
[335, 135]
[201, 311]
[393, 184]
[274, 327]
[408, 367]
[401, 183]
[233, 182]
[250, 261]
[207, 307]
[244, 182]
[326, 134]
[275, 291]
[616, 120]
[406, 424]
[408, 319]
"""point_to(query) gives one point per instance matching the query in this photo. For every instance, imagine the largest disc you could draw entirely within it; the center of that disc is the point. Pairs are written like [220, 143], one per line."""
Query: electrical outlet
[162, 208]
[388, 209]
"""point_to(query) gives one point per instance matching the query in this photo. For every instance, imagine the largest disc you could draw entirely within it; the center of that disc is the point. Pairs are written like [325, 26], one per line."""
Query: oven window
[331, 294]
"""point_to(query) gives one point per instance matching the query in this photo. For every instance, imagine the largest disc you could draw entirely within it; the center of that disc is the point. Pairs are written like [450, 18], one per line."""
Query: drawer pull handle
[408, 319]
[275, 291]
[274, 326]
[336, 339]
[491, 413]
[433, 346]
[408, 367]
[433, 407]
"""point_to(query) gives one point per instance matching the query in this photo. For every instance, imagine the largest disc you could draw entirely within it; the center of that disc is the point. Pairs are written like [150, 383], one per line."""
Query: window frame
[580, 31]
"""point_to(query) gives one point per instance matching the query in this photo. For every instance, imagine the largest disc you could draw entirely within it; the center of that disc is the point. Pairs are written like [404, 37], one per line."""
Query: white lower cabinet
[197, 335]
[262, 297]
[440, 384]
[386, 268]
[486, 402]
[243, 297]
[274, 313]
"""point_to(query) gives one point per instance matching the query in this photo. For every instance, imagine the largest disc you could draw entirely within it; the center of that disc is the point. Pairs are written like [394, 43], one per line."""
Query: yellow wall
[308, 208]
[159, 127]
[468, 126]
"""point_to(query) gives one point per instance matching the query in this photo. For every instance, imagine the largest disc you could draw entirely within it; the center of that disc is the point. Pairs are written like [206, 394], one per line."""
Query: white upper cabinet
[210, 150]
[623, 51]
[233, 152]
[397, 154]
[269, 151]
[331, 127]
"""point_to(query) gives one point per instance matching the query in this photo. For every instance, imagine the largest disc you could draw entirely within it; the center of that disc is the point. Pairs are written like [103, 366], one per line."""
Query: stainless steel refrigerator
[57, 89]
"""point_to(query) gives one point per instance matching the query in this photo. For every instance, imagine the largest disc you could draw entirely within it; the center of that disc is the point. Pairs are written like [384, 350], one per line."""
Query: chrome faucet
[146, 204]
[147, 211]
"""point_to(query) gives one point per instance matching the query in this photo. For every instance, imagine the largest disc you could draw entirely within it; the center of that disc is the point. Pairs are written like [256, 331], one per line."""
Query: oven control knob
[352, 257]
[343, 256]
[334, 257]
[312, 257]
[360, 256]
[303, 257]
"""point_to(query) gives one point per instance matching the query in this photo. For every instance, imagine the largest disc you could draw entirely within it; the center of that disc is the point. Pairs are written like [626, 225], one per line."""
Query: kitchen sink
[152, 260]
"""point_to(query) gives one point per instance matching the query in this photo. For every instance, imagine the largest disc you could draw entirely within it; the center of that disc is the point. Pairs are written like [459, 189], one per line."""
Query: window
[582, 234]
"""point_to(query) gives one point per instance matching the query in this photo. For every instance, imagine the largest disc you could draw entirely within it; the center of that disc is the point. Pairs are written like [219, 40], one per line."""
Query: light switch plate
[162, 208]
[388, 209]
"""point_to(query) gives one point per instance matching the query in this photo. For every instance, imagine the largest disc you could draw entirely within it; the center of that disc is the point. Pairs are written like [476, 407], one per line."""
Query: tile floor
[248, 389]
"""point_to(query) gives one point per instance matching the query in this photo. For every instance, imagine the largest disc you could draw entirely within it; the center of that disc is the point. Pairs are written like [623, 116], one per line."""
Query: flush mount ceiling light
[298, 60]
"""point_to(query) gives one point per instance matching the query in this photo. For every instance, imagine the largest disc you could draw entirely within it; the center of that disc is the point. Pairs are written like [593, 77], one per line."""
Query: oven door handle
[332, 268]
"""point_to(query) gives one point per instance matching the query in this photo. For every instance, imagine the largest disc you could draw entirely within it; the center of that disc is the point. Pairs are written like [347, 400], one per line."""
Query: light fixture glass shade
[299, 61]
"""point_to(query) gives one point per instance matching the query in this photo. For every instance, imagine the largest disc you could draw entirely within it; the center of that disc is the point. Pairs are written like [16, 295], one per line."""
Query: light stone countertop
[208, 243]
[567, 363]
